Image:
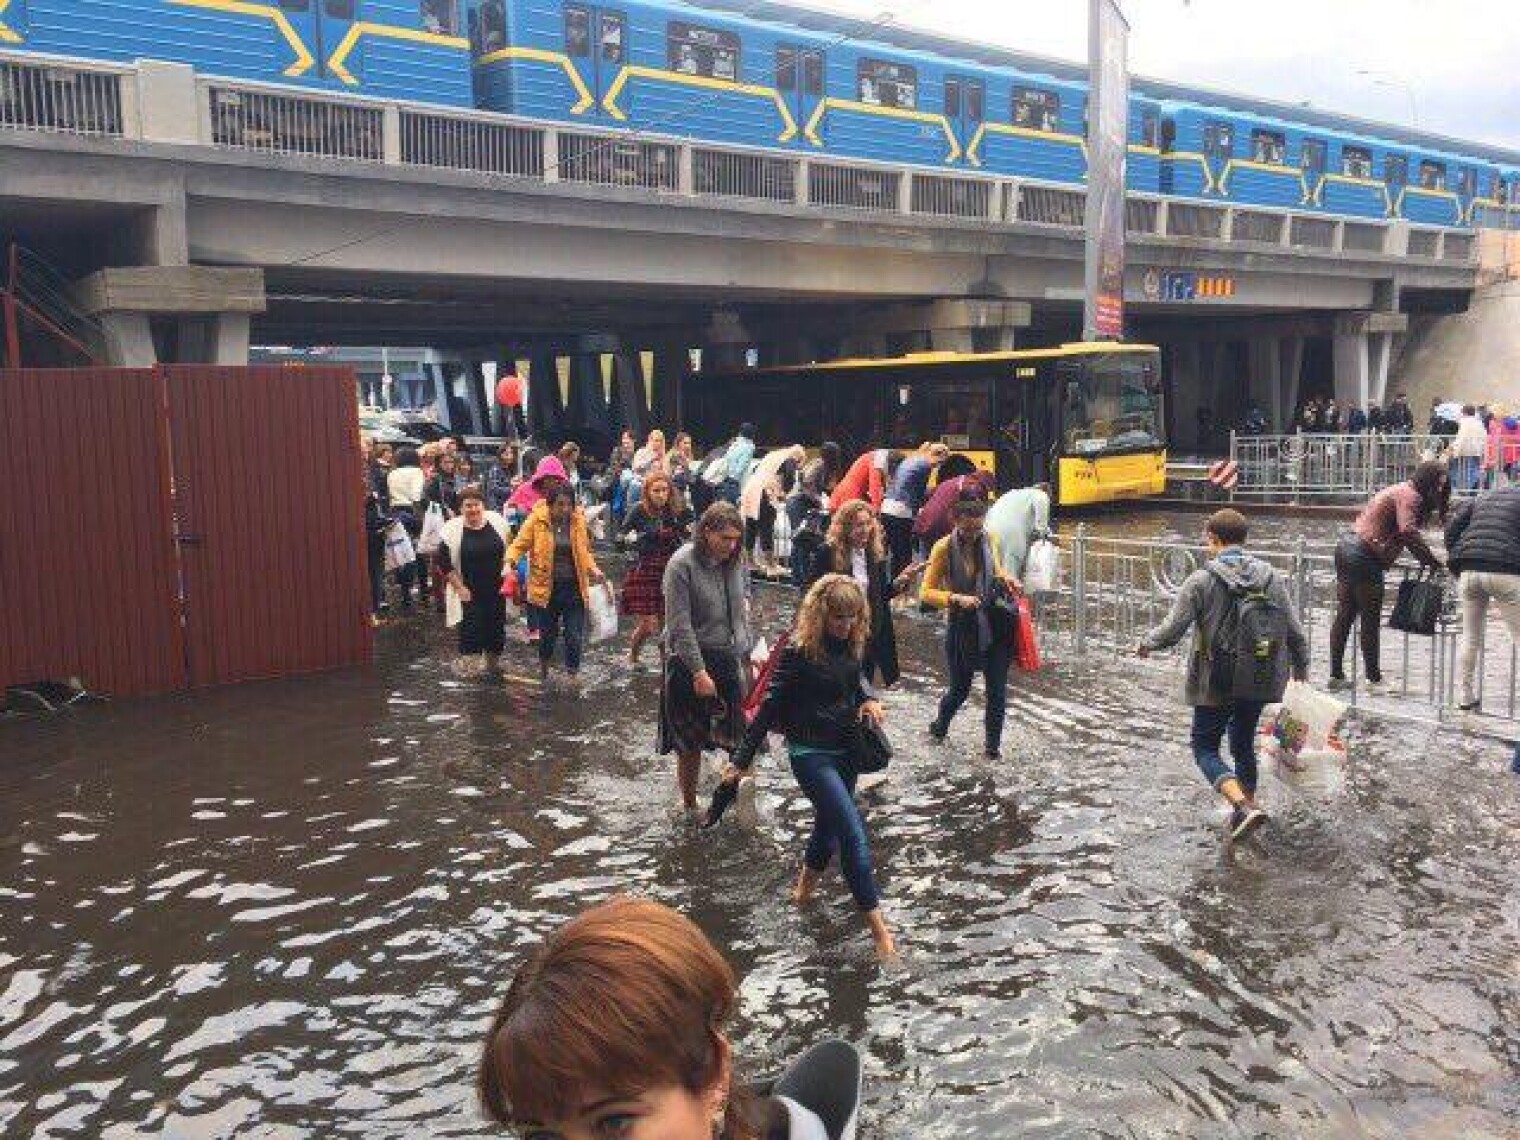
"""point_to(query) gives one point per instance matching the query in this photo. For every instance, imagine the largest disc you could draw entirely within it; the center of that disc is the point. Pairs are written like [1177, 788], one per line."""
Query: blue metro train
[766, 75]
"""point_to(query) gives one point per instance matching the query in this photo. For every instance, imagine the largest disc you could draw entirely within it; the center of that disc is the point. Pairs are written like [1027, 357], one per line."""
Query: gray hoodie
[706, 607]
[1203, 604]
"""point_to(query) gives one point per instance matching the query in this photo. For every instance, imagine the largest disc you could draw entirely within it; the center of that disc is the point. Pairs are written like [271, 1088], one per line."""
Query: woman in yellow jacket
[965, 579]
[561, 572]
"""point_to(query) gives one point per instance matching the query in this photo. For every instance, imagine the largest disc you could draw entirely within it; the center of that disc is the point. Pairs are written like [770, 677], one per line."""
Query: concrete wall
[1465, 356]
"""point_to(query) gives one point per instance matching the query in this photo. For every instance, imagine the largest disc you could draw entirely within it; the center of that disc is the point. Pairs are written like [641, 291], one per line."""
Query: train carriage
[412, 50]
[1353, 184]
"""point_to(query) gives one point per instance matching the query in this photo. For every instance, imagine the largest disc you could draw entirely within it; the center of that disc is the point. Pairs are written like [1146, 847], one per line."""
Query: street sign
[1185, 285]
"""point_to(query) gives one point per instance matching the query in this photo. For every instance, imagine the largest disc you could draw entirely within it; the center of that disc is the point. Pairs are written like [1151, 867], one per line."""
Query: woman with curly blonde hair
[816, 695]
[856, 547]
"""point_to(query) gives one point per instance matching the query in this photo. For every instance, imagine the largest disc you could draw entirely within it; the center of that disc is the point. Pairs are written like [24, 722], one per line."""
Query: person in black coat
[856, 548]
[376, 524]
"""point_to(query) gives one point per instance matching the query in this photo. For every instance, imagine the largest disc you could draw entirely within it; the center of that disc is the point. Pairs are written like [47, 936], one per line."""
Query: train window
[440, 17]
[953, 98]
[1218, 140]
[883, 84]
[1467, 183]
[1168, 135]
[1269, 147]
[1396, 171]
[1148, 135]
[1038, 110]
[577, 32]
[703, 51]
[296, 5]
[1311, 156]
[976, 100]
[1356, 162]
[786, 69]
[493, 26]
[1432, 175]
[339, 9]
[1501, 191]
[611, 39]
[812, 73]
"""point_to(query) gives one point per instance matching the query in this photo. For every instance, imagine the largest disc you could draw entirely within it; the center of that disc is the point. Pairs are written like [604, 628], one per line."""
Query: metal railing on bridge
[1112, 590]
[80, 97]
[1323, 467]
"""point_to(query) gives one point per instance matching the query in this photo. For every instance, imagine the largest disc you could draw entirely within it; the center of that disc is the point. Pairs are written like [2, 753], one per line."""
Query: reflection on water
[288, 909]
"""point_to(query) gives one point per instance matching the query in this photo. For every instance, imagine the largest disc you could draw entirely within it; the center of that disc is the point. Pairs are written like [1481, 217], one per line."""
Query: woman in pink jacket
[1503, 453]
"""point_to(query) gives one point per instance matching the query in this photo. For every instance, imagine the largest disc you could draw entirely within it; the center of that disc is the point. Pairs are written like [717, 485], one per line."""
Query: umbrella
[1449, 411]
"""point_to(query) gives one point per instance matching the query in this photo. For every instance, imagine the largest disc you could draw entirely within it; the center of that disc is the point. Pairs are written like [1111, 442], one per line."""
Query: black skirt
[689, 723]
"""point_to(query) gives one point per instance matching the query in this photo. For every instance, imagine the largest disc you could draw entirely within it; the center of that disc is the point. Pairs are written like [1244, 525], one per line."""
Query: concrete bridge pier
[546, 407]
[172, 314]
[1363, 350]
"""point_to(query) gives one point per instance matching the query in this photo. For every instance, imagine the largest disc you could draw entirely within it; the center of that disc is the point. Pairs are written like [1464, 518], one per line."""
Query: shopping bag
[399, 551]
[756, 693]
[1042, 569]
[431, 535]
[602, 613]
[782, 535]
[1026, 646]
[1317, 770]
[1307, 718]
[1418, 606]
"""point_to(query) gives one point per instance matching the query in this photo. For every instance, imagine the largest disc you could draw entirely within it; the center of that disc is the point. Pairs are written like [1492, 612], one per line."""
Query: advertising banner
[1108, 119]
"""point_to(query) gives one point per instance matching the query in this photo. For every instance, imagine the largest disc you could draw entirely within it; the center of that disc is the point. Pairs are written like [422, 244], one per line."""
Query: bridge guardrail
[1325, 466]
[83, 97]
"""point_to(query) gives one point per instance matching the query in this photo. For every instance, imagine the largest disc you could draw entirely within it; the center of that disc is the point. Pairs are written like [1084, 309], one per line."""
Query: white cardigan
[453, 538]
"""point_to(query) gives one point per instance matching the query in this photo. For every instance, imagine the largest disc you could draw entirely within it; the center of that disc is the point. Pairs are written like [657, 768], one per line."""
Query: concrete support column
[478, 393]
[1379, 356]
[629, 407]
[951, 340]
[994, 339]
[1292, 361]
[1183, 394]
[1351, 368]
[1363, 349]
[1264, 374]
[546, 411]
[129, 340]
[670, 367]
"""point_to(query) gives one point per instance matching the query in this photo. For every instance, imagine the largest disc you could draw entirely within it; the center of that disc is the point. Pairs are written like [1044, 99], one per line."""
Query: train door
[1025, 418]
[965, 106]
[800, 79]
[596, 40]
[324, 26]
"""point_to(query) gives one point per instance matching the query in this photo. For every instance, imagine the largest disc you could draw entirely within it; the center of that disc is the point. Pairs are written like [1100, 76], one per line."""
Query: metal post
[12, 328]
[1079, 590]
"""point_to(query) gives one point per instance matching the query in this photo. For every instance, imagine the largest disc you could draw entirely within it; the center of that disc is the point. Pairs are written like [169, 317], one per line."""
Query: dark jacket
[376, 523]
[656, 535]
[814, 703]
[1484, 533]
[881, 650]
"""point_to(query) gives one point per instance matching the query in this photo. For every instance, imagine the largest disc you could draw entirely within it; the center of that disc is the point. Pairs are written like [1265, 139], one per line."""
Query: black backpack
[1249, 659]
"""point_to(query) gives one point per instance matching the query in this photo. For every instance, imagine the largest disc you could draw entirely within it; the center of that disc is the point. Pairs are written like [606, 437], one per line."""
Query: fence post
[1079, 590]
[551, 155]
[390, 134]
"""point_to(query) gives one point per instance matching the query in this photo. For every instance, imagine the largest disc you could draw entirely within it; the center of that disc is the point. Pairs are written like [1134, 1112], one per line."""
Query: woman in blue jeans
[817, 693]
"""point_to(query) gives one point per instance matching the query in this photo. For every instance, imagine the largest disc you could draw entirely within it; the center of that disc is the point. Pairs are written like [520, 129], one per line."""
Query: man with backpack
[1247, 641]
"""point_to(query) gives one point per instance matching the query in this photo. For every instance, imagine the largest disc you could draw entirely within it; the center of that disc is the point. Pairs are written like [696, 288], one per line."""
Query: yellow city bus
[1087, 418]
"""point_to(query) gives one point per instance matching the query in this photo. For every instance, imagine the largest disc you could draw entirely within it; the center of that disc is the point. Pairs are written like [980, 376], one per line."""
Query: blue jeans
[828, 781]
[1210, 725]
[565, 610]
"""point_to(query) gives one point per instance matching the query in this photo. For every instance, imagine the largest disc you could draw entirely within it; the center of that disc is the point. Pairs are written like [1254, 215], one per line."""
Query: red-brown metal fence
[180, 526]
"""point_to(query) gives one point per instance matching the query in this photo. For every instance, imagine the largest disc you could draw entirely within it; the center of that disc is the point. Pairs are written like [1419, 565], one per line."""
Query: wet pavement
[288, 909]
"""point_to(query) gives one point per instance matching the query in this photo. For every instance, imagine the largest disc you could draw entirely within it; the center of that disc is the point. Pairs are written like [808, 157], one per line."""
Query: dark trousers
[376, 578]
[565, 611]
[1358, 595]
[899, 533]
[763, 528]
[993, 665]
[828, 781]
[1238, 719]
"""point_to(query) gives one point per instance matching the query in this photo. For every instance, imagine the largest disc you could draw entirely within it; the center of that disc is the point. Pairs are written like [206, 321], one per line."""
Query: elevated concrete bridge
[196, 214]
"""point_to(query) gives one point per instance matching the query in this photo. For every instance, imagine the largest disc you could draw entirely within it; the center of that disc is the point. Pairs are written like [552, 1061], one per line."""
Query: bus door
[965, 106]
[1027, 432]
[323, 25]
[799, 78]
[596, 40]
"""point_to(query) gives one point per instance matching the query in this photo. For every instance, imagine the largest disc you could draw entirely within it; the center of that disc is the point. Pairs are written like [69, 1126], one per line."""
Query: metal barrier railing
[66, 99]
[1113, 590]
[1292, 468]
[84, 97]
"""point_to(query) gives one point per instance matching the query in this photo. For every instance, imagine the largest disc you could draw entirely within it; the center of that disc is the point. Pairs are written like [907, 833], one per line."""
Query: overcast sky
[1450, 66]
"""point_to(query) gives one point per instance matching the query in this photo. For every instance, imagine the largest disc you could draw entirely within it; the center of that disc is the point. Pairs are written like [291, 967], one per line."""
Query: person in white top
[1467, 449]
[405, 483]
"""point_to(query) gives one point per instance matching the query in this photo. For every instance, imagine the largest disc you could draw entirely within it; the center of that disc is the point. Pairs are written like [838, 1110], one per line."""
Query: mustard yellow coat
[536, 540]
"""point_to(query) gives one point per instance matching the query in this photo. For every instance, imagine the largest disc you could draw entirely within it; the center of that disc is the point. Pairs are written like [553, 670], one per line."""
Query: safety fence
[80, 97]
[1113, 590]
[1312, 467]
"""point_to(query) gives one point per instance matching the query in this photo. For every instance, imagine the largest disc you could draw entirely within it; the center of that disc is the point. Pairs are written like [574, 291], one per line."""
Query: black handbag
[870, 750]
[1417, 608]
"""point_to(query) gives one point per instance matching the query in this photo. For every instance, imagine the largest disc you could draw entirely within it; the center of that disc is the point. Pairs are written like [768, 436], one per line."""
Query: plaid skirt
[689, 723]
[643, 589]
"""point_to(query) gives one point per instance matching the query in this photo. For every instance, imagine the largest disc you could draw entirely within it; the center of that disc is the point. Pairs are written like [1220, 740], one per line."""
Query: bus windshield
[1110, 403]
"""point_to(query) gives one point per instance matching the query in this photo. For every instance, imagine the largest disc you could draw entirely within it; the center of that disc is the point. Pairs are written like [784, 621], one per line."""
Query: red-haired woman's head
[614, 1028]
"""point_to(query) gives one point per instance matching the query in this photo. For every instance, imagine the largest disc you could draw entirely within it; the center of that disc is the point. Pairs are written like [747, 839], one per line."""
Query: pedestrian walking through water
[655, 529]
[1390, 523]
[707, 646]
[473, 558]
[1247, 641]
[856, 548]
[818, 698]
[965, 579]
[561, 572]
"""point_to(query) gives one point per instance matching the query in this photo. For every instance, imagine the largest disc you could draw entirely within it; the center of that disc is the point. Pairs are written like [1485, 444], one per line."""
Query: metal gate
[179, 526]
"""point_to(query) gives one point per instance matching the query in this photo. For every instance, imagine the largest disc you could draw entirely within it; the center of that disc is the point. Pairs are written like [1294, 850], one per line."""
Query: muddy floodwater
[288, 909]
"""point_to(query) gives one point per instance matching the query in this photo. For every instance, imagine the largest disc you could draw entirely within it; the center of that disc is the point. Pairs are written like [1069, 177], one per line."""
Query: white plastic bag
[1042, 569]
[399, 551]
[760, 654]
[431, 535]
[601, 614]
[1319, 771]
[782, 534]
[1307, 718]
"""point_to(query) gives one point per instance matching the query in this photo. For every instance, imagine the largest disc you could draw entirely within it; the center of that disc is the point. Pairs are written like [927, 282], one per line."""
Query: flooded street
[288, 909]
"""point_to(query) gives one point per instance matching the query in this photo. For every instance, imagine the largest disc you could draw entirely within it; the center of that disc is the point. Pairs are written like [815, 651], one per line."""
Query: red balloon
[509, 393]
